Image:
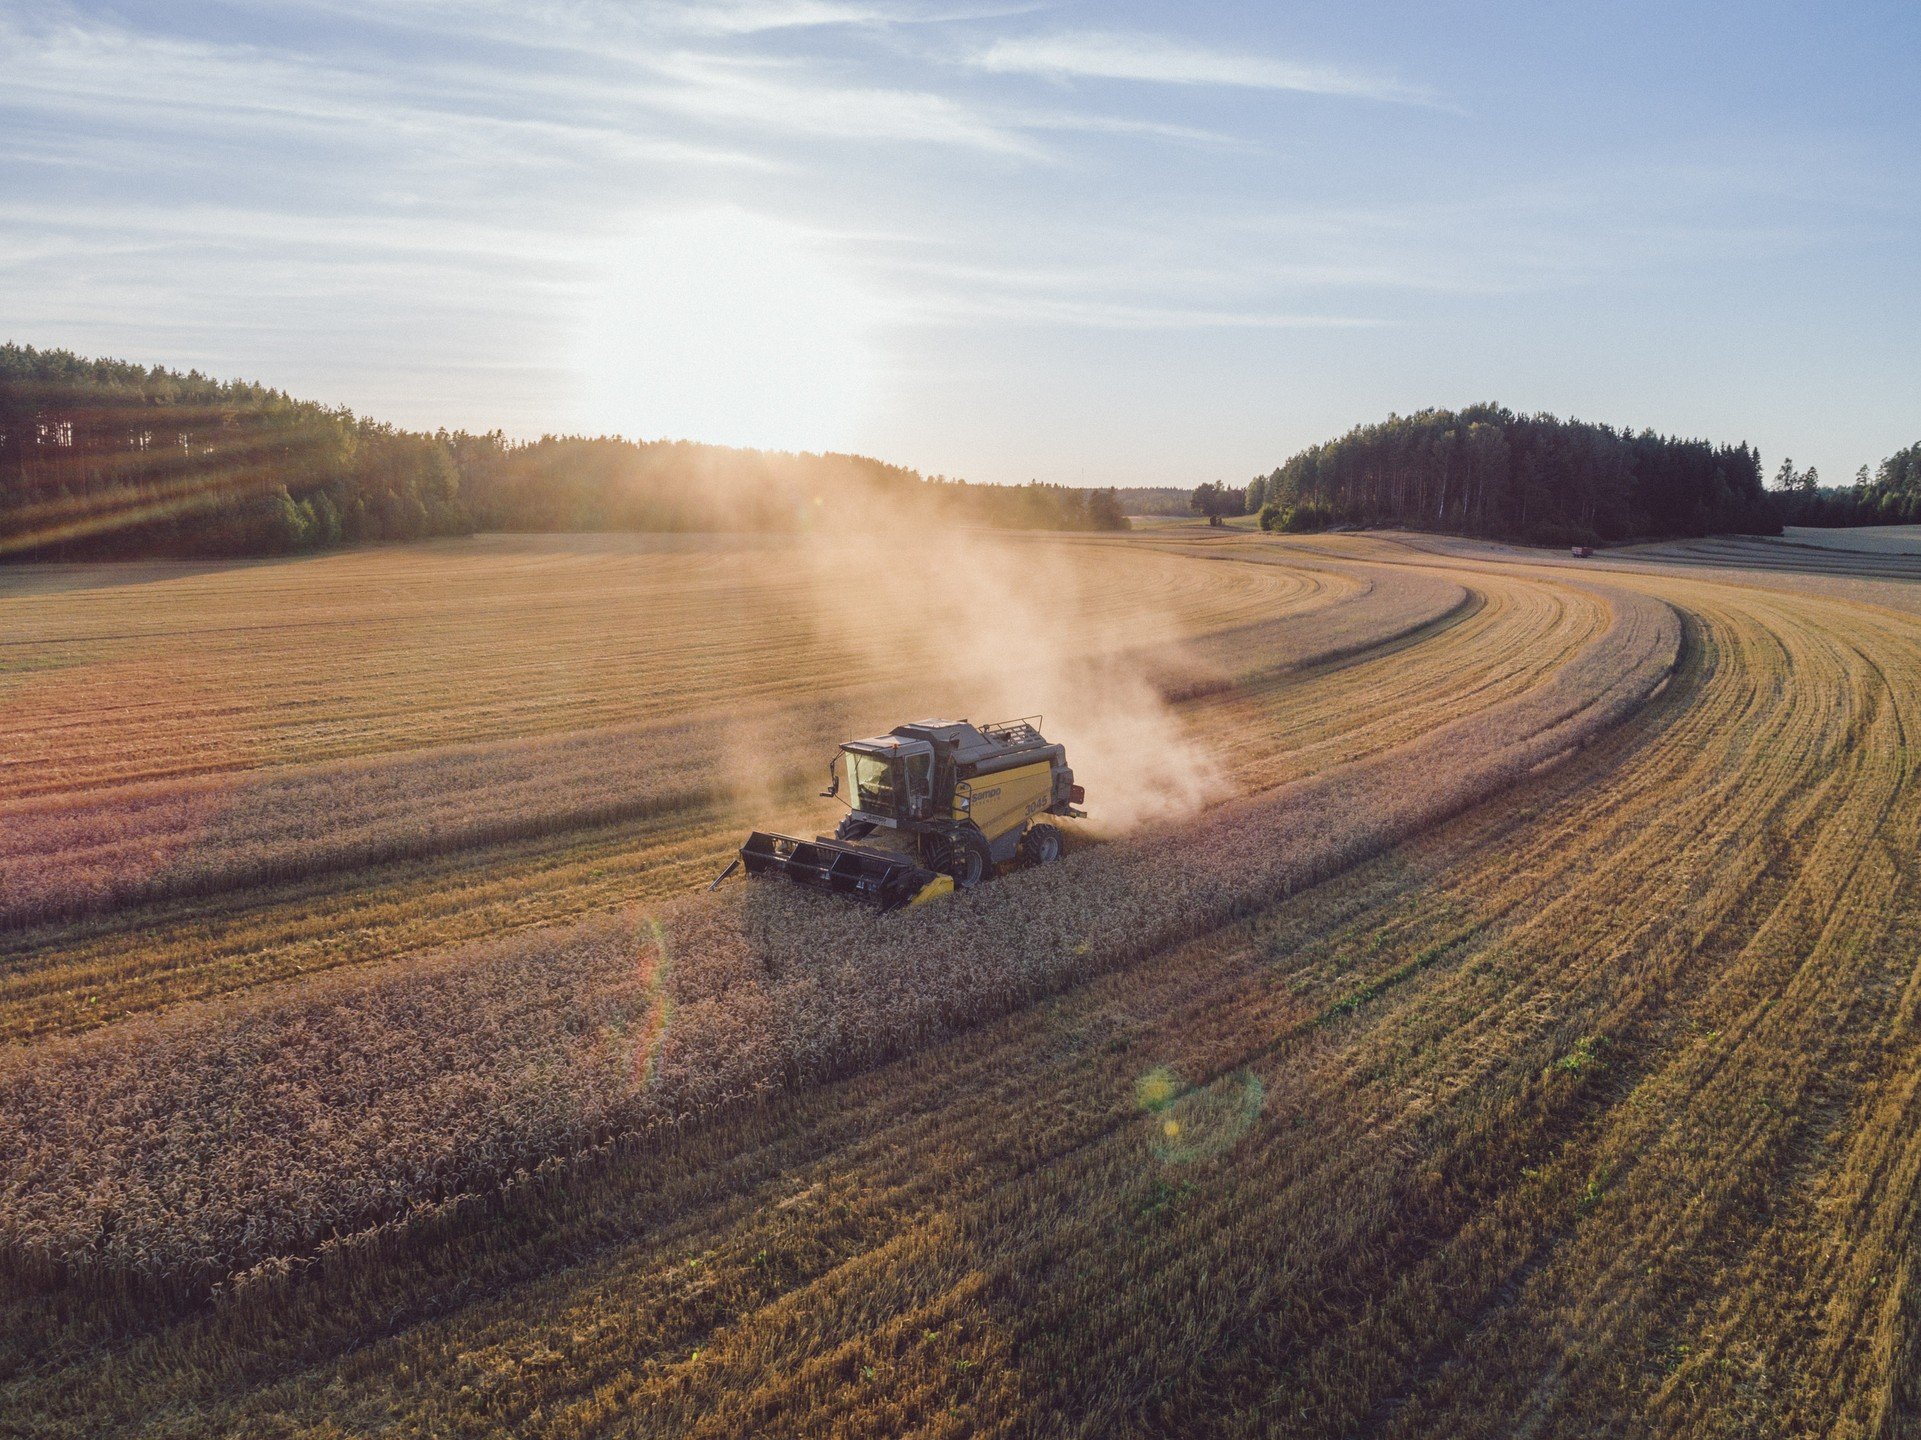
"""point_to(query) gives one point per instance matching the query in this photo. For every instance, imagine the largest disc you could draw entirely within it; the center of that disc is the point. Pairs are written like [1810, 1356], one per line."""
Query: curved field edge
[407, 653]
[175, 1151]
[78, 976]
[65, 858]
[240, 668]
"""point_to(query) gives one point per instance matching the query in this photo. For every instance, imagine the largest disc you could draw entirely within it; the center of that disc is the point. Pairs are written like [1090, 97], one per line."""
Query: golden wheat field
[1483, 999]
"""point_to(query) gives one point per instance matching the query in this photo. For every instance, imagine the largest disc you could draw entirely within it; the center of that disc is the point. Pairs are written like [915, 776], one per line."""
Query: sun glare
[728, 327]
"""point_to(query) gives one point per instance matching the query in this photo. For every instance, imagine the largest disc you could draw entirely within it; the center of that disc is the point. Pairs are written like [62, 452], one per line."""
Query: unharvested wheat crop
[1580, 1101]
[121, 674]
[244, 819]
[221, 1138]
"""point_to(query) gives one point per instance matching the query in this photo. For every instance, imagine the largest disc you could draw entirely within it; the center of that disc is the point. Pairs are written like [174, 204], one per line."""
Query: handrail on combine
[1024, 731]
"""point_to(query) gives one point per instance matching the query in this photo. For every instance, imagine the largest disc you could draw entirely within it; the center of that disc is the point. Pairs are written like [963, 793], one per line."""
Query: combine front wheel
[852, 827]
[963, 855]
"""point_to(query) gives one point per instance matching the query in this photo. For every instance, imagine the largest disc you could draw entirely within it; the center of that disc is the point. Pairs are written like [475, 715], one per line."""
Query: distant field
[1868, 539]
[468, 747]
[1483, 1000]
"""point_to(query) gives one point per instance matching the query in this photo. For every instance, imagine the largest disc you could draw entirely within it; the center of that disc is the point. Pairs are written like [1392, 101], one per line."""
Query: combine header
[935, 805]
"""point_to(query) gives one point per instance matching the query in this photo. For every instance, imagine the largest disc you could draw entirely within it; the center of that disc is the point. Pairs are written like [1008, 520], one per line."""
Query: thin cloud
[1595, 227]
[593, 26]
[494, 112]
[1102, 55]
[1055, 312]
[779, 99]
[756, 16]
[166, 91]
[103, 227]
[753, 17]
[1090, 124]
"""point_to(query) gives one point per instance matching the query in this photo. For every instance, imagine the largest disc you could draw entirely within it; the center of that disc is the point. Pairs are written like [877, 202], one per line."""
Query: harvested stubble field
[1512, 1027]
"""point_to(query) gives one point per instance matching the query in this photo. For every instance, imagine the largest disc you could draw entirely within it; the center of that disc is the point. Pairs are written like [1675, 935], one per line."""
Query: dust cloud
[993, 625]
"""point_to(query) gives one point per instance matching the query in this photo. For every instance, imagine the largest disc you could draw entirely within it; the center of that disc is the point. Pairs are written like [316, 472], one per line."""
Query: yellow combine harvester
[935, 805]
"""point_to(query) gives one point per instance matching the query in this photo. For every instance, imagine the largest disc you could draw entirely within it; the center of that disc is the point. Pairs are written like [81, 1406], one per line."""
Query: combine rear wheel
[963, 855]
[1042, 844]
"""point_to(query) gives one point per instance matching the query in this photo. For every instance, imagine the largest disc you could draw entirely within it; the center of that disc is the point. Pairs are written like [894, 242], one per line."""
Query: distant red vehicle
[1583, 552]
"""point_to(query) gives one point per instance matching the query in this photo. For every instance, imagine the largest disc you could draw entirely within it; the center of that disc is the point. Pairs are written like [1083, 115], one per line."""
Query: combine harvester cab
[936, 806]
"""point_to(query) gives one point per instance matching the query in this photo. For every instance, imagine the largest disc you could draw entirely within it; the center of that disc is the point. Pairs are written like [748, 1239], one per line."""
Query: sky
[1080, 243]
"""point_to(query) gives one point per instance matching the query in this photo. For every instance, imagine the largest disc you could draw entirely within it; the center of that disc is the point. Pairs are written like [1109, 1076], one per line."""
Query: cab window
[871, 778]
[920, 782]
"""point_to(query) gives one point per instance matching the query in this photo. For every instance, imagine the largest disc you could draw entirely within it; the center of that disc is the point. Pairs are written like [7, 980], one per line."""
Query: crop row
[1262, 731]
[216, 1138]
[186, 671]
[1592, 1112]
[67, 855]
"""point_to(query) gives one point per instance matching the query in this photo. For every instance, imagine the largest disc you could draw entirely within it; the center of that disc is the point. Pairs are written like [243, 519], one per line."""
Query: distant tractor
[1583, 552]
[936, 805]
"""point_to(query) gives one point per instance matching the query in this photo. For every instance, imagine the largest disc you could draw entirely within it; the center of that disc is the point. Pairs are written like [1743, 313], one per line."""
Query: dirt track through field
[1590, 1110]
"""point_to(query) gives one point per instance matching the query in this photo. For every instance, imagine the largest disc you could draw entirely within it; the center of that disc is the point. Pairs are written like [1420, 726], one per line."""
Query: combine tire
[853, 828]
[1042, 844]
[964, 856]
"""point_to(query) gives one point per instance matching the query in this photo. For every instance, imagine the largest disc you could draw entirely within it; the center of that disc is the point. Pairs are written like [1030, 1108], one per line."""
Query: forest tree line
[98, 457]
[562, 483]
[1161, 500]
[1891, 495]
[1485, 470]
[105, 459]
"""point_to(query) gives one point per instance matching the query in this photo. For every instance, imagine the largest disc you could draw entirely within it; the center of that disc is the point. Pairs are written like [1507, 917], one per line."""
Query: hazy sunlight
[729, 327]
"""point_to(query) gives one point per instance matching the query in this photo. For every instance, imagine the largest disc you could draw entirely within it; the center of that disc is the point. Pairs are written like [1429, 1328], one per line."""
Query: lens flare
[655, 970]
[1188, 1124]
